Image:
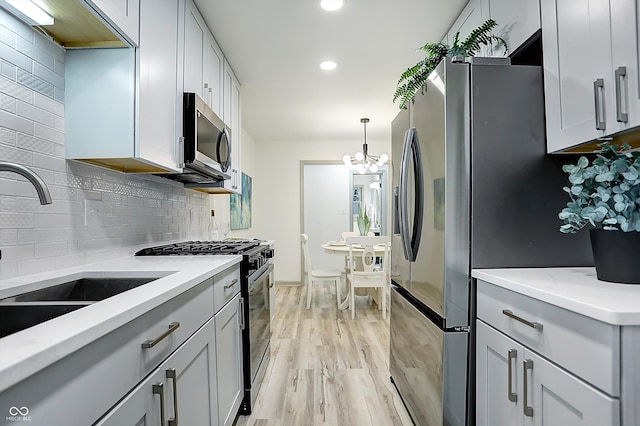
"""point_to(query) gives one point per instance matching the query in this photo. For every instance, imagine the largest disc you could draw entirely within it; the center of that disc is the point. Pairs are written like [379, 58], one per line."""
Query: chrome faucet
[36, 181]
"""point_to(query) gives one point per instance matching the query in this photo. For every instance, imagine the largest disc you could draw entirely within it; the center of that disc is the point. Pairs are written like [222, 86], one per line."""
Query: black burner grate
[200, 247]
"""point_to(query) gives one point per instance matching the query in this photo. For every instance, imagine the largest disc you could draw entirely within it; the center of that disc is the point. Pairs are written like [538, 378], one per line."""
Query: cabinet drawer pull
[512, 356]
[621, 74]
[171, 374]
[231, 284]
[598, 88]
[527, 365]
[510, 314]
[151, 343]
[158, 389]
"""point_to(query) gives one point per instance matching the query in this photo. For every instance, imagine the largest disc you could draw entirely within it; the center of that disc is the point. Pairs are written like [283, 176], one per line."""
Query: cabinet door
[468, 20]
[189, 398]
[229, 361]
[159, 95]
[124, 15]
[195, 32]
[517, 21]
[498, 378]
[231, 116]
[213, 75]
[577, 70]
[556, 397]
[624, 54]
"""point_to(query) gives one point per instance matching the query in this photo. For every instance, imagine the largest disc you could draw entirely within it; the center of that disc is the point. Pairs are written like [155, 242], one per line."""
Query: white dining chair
[318, 275]
[364, 272]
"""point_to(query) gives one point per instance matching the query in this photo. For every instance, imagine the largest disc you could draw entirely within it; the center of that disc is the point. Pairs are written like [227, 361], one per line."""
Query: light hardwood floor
[326, 368]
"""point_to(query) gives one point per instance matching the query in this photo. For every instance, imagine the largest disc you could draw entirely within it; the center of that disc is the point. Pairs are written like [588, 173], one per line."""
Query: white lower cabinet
[228, 323]
[182, 390]
[515, 386]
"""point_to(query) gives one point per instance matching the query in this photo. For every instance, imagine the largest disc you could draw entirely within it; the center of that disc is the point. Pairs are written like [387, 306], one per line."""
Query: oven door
[259, 288]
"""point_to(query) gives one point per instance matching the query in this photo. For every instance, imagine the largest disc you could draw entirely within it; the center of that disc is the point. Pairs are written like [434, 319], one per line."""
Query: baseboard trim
[288, 283]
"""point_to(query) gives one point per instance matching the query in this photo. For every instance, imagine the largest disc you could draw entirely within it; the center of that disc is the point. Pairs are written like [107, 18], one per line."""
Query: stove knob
[268, 253]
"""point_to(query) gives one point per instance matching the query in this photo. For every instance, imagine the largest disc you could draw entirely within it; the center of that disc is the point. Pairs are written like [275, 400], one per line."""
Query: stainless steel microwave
[207, 140]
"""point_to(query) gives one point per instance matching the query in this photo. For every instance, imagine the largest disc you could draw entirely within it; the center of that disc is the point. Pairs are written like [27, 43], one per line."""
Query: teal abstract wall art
[241, 205]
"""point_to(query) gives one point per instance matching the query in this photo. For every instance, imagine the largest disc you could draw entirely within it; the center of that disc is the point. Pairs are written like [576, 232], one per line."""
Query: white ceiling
[275, 48]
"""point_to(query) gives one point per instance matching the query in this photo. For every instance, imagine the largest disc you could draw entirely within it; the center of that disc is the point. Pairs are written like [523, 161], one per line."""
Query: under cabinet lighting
[32, 11]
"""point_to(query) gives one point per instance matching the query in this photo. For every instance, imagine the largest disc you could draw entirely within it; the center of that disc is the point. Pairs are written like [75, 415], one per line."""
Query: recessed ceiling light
[328, 65]
[331, 5]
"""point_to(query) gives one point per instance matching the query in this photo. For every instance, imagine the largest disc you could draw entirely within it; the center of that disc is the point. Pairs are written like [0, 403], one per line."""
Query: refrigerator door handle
[411, 237]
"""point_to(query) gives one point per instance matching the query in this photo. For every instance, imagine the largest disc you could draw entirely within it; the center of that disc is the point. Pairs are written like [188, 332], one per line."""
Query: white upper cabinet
[517, 21]
[123, 15]
[469, 19]
[195, 32]
[123, 109]
[590, 69]
[202, 60]
[213, 75]
[232, 117]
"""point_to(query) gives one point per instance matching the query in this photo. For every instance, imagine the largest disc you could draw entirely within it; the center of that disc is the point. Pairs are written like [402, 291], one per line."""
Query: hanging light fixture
[363, 160]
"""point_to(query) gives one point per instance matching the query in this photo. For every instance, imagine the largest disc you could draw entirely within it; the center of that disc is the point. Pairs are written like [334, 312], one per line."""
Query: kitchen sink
[64, 295]
[82, 289]
[18, 316]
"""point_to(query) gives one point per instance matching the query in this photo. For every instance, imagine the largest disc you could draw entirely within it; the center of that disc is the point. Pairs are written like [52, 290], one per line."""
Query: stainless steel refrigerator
[473, 188]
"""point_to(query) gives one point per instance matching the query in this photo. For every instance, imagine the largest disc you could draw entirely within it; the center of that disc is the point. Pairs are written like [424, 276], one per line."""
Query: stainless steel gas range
[256, 271]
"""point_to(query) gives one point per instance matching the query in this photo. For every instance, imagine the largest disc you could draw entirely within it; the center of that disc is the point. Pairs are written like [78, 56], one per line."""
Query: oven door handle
[257, 275]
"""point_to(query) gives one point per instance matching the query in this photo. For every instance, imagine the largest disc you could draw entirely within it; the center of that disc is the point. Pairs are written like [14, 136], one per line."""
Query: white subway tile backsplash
[7, 103]
[14, 122]
[50, 249]
[34, 144]
[8, 237]
[35, 114]
[34, 82]
[31, 50]
[14, 57]
[49, 162]
[7, 137]
[16, 220]
[48, 133]
[11, 88]
[8, 204]
[54, 107]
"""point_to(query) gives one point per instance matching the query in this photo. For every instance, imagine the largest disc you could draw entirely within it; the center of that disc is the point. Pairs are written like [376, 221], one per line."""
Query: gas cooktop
[201, 247]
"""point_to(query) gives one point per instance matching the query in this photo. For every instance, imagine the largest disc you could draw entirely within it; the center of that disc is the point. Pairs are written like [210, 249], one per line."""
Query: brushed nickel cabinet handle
[528, 411]
[598, 88]
[151, 343]
[510, 314]
[171, 374]
[158, 389]
[621, 74]
[512, 356]
[231, 284]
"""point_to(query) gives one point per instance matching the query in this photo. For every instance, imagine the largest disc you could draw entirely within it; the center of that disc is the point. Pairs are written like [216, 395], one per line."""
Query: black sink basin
[82, 289]
[28, 309]
[18, 316]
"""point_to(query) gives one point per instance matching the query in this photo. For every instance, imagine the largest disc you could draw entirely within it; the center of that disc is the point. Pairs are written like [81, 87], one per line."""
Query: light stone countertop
[574, 289]
[32, 349]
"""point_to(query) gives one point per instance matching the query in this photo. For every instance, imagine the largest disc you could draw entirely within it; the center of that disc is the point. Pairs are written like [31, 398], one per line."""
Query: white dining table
[341, 248]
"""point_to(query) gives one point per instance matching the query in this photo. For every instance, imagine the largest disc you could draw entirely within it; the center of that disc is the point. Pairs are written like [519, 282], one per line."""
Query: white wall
[276, 197]
[134, 211]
